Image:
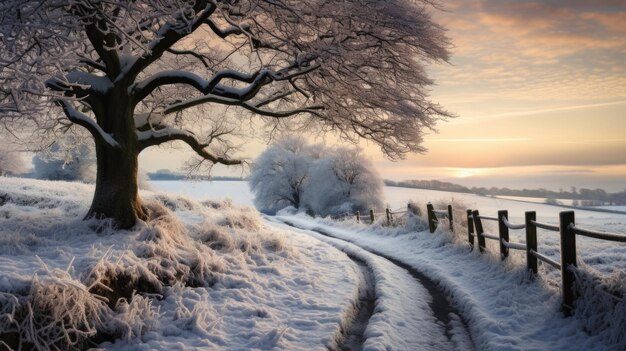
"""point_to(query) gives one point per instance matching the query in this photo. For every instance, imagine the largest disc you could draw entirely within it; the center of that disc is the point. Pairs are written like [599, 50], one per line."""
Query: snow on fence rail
[566, 228]
[372, 216]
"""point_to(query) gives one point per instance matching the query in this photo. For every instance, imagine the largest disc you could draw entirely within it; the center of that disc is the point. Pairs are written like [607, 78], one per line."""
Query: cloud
[551, 109]
[479, 140]
[536, 50]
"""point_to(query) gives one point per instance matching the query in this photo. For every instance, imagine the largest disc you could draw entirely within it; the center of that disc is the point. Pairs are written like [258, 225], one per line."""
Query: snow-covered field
[220, 279]
[211, 274]
[605, 256]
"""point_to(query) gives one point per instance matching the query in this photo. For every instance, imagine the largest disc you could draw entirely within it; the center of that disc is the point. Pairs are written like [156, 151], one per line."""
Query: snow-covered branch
[156, 137]
[314, 110]
[83, 120]
[355, 68]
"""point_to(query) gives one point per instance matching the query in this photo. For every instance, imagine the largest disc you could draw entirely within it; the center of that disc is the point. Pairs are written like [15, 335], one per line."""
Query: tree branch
[234, 102]
[200, 57]
[256, 80]
[83, 120]
[157, 137]
[167, 36]
[223, 33]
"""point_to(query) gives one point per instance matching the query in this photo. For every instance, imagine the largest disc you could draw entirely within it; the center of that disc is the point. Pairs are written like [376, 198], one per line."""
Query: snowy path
[410, 312]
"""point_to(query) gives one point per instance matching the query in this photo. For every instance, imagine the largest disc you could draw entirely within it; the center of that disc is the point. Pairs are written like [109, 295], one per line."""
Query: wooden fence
[566, 228]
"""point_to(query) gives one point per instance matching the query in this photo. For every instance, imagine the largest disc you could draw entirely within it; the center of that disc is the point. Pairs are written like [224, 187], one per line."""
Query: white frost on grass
[212, 277]
[504, 309]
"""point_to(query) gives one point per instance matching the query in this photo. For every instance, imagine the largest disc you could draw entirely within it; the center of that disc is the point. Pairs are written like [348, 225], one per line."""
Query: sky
[539, 91]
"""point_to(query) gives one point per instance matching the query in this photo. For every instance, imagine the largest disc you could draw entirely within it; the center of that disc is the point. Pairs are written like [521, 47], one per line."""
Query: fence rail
[600, 235]
[566, 228]
[567, 231]
[545, 226]
[546, 259]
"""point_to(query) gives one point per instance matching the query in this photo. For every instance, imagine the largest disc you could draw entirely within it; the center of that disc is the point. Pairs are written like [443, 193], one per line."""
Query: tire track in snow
[353, 335]
[455, 327]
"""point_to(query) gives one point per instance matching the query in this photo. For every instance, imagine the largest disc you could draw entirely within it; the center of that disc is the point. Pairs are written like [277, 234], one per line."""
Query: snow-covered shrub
[600, 305]
[72, 159]
[317, 179]
[280, 174]
[343, 181]
[67, 159]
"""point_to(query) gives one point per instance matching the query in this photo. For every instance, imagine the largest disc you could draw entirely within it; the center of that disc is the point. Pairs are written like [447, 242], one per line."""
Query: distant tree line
[166, 174]
[586, 197]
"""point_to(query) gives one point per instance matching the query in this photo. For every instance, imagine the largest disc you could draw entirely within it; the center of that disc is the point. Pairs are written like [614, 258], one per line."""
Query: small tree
[134, 74]
[325, 181]
[280, 174]
[343, 181]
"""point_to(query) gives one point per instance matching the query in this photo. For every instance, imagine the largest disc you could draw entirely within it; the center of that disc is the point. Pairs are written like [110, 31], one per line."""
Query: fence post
[479, 231]
[470, 228]
[568, 258]
[372, 216]
[531, 241]
[450, 218]
[503, 233]
[388, 216]
[358, 217]
[431, 218]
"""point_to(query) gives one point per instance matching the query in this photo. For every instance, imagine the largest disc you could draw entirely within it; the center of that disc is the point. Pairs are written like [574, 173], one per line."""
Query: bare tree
[130, 72]
[280, 174]
[344, 180]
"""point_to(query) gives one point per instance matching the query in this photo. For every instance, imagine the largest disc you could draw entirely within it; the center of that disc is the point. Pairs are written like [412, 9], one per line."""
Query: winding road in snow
[398, 305]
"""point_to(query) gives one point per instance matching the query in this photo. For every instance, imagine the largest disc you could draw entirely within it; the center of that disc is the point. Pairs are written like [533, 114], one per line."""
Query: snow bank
[505, 309]
[197, 275]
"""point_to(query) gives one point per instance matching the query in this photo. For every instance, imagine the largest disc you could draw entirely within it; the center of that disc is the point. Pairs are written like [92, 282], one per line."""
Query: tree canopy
[139, 73]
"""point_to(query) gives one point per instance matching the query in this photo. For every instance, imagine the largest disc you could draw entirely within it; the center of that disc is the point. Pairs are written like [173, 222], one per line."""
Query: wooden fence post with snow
[568, 258]
[358, 217]
[431, 218]
[479, 230]
[450, 218]
[388, 216]
[470, 228]
[531, 241]
[503, 233]
[372, 216]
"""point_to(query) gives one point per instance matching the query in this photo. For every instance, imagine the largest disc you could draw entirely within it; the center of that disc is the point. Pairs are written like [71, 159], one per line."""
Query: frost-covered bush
[318, 179]
[280, 175]
[72, 159]
[68, 159]
[343, 180]
[600, 305]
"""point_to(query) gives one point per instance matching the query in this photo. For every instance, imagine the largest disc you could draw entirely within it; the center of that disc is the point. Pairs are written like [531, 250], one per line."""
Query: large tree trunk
[116, 195]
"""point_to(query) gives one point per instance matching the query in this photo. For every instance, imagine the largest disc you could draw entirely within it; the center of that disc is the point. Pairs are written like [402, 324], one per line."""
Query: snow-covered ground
[607, 257]
[214, 275]
[402, 307]
[237, 191]
[220, 279]
[506, 310]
